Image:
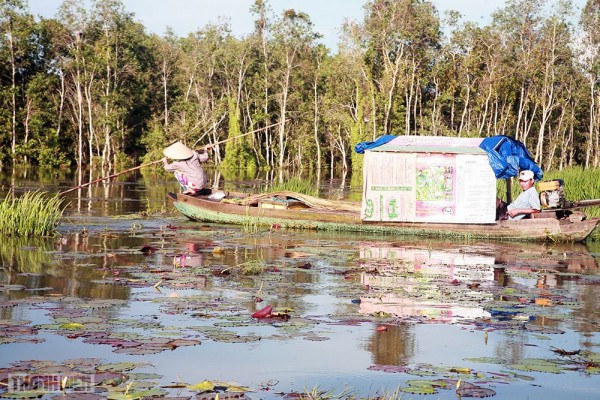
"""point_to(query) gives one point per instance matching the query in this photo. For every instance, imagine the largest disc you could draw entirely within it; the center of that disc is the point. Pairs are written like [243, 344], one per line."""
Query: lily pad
[137, 394]
[549, 368]
[24, 394]
[107, 378]
[71, 326]
[117, 367]
[77, 396]
[592, 370]
[388, 368]
[138, 351]
[485, 360]
[418, 390]
[426, 383]
[420, 372]
[474, 391]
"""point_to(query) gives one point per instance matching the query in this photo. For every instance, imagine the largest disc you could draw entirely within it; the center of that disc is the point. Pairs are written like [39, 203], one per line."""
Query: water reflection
[65, 266]
[411, 279]
[21, 255]
[529, 288]
[396, 347]
[405, 282]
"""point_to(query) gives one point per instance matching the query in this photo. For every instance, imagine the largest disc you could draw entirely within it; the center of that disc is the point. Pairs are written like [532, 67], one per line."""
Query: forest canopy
[92, 87]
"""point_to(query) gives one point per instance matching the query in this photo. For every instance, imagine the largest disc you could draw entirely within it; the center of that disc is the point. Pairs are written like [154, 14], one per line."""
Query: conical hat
[178, 151]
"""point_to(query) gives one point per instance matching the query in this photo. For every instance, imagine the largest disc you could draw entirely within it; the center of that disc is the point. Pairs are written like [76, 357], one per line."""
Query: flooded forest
[91, 87]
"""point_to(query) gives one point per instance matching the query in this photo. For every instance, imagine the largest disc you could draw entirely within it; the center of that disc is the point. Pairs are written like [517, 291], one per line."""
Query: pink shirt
[192, 168]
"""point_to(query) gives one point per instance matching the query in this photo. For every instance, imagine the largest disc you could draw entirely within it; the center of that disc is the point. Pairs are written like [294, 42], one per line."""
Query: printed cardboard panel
[428, 187]
[389, 186]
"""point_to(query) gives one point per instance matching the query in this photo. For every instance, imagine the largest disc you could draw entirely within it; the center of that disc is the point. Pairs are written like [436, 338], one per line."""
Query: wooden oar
[109, 177]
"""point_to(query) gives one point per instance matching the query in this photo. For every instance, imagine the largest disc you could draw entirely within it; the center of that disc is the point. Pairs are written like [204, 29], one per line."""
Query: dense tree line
[93, 88]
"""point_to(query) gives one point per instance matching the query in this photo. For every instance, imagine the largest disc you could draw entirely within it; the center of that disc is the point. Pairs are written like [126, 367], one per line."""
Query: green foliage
[34, 214]
[49, 156]
[358, 133]
[154, 141]
[238, 153]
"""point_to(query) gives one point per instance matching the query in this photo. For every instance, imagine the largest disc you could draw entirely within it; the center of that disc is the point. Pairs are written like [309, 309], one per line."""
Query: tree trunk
[316, 121]
[79, 110]
[13, 94]
[465, 109]
[165, 81]
[522, 101]
[27, 120]
[90, 105]
[283, 116]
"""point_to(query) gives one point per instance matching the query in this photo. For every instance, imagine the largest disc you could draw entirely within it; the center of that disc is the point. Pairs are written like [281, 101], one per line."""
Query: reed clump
[297, 185]
[252, 267]
[34, 214]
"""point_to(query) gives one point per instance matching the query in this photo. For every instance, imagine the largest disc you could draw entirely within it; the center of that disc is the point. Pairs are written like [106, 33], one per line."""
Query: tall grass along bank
[297, 185]
[34, 214]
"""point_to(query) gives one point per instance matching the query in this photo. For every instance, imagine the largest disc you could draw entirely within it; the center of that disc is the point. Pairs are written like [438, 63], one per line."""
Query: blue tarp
[507, 156]
[362, 146]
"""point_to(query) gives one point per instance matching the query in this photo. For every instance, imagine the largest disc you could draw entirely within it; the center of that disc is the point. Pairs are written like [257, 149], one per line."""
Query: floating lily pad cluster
[86, 320]
[90, 379]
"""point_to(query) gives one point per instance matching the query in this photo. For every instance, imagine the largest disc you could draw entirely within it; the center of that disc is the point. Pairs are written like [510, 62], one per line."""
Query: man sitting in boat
[527, 203]
[186, 166]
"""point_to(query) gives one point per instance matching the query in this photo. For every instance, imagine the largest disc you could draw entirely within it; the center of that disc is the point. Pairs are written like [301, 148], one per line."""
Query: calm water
[128, 280]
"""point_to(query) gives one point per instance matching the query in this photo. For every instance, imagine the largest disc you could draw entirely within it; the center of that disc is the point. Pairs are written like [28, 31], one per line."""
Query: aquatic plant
[250, 224]
[296, 185]
[252, 267]
[317, 393]
[34, 214]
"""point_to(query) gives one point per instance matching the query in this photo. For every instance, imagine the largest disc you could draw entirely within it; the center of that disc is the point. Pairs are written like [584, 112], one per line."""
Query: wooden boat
[296, 211]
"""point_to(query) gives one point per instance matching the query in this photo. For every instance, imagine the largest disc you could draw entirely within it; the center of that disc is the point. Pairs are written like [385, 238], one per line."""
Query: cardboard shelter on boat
[429, 179]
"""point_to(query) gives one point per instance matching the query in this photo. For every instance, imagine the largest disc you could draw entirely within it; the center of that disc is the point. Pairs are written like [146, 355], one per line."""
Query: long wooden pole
[156, 162]
[109, 177]
[239, 136]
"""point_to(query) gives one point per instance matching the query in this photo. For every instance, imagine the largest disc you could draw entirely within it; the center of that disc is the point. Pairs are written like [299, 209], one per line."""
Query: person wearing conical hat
[186, 166]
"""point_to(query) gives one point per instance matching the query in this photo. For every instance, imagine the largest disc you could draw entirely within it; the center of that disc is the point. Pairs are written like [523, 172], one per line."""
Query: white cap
[178, 151]
[525, 175]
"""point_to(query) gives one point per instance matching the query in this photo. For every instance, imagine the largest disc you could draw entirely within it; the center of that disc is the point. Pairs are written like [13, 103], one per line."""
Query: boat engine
[552, 194]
